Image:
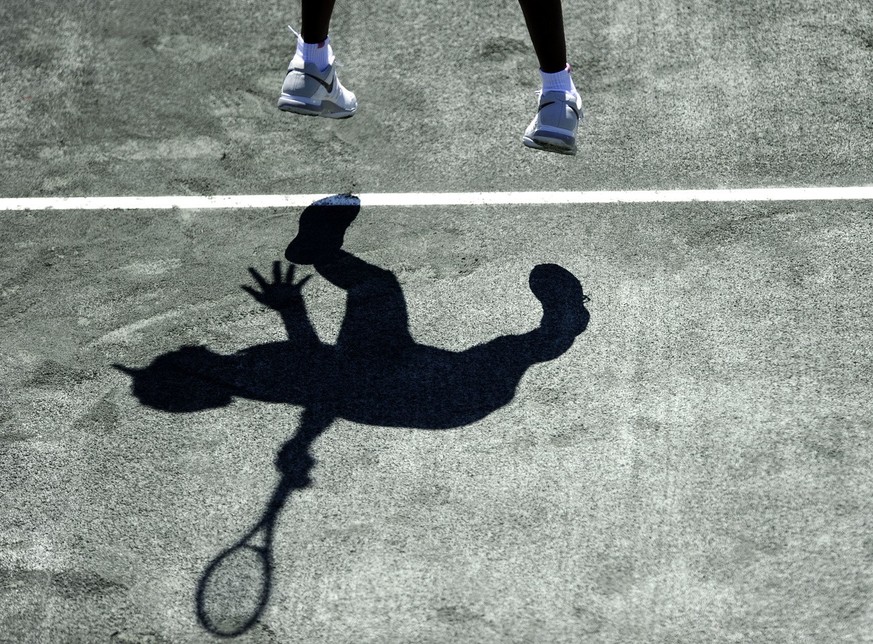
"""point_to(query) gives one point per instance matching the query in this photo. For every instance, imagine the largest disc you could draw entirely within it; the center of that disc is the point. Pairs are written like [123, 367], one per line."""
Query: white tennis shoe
[315, 92]
[554, 127]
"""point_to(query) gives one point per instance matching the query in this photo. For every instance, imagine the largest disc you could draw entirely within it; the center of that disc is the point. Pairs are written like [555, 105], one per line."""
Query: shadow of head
[321, 230]
[174, 382]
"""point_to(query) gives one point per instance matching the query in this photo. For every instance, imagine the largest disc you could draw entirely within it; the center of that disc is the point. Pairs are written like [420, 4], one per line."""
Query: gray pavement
[695, 467]
[154, 97]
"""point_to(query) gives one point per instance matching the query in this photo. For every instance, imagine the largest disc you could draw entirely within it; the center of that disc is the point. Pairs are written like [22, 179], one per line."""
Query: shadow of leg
[376, 323]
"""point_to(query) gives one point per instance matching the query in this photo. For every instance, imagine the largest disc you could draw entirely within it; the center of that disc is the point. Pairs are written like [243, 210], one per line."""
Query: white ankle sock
[319, 53]
[559, 81]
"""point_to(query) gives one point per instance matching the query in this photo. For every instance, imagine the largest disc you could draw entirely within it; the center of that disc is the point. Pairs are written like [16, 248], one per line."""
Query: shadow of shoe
[321, 230]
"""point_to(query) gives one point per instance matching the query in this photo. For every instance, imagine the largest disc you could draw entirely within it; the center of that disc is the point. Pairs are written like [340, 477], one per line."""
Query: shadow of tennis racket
[235, 587]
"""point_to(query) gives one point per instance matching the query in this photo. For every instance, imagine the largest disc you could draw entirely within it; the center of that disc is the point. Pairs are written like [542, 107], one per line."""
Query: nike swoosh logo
[570, 105]
[325, 85]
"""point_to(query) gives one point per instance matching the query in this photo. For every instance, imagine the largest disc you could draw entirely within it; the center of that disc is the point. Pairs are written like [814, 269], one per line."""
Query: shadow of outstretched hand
[280, 293]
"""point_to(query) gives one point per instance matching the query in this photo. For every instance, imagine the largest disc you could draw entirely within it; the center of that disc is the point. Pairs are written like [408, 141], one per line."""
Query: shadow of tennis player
[374, 374]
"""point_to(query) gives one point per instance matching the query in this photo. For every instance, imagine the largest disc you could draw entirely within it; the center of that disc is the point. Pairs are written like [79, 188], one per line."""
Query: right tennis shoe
[554, 127]
[312, 91]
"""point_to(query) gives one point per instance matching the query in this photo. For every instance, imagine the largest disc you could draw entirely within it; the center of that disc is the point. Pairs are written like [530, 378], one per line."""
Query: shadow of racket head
[235, 587]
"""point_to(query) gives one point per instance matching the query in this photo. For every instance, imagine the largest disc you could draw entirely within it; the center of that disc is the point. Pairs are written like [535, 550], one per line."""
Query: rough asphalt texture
[695, 468]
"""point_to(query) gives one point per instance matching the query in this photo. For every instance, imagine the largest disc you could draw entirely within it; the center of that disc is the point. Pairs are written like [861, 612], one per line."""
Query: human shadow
[375, 374]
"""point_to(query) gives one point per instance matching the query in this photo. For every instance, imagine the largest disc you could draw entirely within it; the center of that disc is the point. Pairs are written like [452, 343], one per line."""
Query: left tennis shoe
[554, 127]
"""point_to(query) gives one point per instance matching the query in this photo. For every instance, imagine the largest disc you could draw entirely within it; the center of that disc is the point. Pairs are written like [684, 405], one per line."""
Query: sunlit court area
[404, 378]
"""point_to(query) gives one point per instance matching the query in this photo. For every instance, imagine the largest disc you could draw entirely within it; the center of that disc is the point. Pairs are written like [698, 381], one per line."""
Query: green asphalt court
[519, 423]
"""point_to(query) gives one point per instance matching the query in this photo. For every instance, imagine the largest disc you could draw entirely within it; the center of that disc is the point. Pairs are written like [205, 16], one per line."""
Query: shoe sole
[548, 144]
[290, 104]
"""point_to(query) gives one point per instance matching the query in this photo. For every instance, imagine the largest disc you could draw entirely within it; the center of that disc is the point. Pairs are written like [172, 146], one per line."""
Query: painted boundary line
[440, 199]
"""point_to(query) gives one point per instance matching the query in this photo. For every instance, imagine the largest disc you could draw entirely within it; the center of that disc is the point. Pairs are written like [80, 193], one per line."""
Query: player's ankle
[318, 53]
[559, 81]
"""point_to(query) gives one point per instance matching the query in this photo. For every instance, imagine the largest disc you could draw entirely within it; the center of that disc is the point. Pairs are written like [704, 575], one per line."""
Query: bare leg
[316, 19]
[545, 23]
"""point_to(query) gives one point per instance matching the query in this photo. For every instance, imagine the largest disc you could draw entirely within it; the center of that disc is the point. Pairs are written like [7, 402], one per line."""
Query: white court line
[442, 199]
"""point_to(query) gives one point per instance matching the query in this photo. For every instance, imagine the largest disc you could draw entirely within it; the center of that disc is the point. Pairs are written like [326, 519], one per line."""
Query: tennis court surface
[437, 437]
